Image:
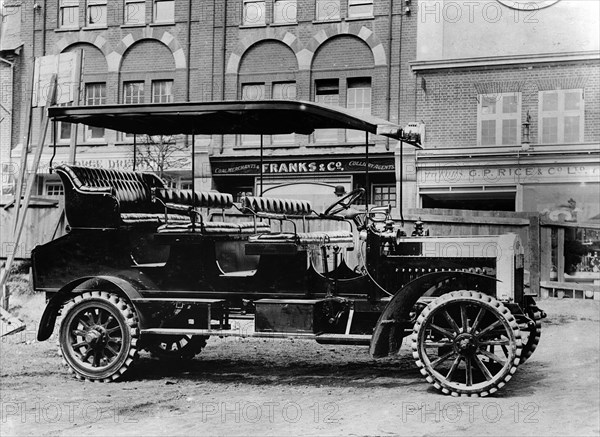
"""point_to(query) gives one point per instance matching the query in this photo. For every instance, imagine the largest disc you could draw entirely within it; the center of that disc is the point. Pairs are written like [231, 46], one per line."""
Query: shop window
[95, 94]
[283, 91]
[284, 11]
[164, 11]
[68, 14]
[96, 13]
[561, 116]
[162, 91]
[252, 91]
[358, 100]
[327, 10]
[187, 185]
[254, 13]
[327, 92]
[135, 12]
[499, 119]
[360, 8]
[384, 195]
[54, 189]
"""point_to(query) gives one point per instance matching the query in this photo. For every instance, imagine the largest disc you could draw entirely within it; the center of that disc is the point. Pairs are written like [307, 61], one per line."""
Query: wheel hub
[465, 344]
[96, 337]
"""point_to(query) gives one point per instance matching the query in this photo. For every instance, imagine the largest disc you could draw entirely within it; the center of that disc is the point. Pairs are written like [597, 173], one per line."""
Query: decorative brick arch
[115, 58]
[260, 35]
[345, 28]
[97, 41]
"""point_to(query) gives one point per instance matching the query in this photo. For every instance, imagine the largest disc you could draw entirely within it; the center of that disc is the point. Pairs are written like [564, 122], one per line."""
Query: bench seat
[216, 228]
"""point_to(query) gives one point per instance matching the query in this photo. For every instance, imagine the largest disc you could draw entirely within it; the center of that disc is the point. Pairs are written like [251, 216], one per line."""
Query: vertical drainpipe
[401, 173]
[189, 47]
[389, 70]
[44, 30]
[223, 65]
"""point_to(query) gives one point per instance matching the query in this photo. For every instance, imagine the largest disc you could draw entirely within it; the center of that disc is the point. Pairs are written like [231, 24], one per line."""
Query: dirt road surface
[285, 387]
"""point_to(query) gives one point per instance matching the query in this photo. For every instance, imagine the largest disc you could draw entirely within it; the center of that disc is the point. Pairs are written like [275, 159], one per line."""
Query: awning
[267, 117]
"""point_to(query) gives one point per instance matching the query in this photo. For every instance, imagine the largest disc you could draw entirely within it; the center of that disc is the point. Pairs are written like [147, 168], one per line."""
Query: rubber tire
[530, 341]
[125, 316]
[491, 304]
[187, 351]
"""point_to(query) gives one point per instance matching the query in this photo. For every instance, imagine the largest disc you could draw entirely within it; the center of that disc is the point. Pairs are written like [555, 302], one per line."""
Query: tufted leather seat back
[131, 189]
[252, 204]
[200, 199]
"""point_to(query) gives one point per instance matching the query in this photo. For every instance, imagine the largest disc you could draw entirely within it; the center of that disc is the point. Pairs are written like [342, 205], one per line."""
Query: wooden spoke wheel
[467, 344]
[177, 347]
[98, 336]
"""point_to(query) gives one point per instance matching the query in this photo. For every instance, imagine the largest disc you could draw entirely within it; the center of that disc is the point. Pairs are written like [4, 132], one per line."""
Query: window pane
[327, 10]
[488, 132]
[550, 130]
[95, 94]
[358, 99]
[96, 13]
[69, 16]
[253, 91]
[550, 101]
[162, 91]
[64, 131]
[360, 10]
[510, 104]
[284, 91]
[327, 93]
[572, 134]
[284, 11]
[164, 11]
[254, 13]
[133, 92]
[488, 105]
[572, 101]
[384, 195]
[135, 13]
[509, 131]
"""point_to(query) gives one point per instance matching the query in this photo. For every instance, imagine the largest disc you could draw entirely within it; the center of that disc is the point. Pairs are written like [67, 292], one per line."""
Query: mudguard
[48, 319]
[395, 318]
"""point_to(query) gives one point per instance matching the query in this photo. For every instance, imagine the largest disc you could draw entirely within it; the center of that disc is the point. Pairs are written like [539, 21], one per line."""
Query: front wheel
[467, 343]
[98, 336]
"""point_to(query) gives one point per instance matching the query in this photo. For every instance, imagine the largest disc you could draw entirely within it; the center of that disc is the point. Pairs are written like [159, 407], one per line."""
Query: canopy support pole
[261, 164]
[401, 184]
[134, 150]
[193, 212]
[367, 190]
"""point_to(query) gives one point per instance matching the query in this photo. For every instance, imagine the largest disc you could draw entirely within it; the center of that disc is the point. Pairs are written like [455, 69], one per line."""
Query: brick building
[510, 105]
[341, 52]
[509, 93]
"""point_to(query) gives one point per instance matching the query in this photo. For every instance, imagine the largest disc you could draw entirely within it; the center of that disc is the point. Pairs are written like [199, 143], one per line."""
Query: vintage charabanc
[139, 267]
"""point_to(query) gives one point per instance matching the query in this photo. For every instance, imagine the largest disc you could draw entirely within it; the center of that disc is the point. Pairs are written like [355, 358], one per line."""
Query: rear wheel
[467, 343]
[98, 336]
[531, 339]
[175, 347]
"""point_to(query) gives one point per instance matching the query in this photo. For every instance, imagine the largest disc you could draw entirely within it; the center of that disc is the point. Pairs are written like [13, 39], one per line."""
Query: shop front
[314, 178]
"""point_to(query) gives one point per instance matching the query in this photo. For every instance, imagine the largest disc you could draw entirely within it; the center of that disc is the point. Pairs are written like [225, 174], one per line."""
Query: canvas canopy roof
[267, 117]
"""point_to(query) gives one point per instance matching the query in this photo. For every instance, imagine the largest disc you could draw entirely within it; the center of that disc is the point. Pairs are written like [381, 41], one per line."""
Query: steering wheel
[345, 202]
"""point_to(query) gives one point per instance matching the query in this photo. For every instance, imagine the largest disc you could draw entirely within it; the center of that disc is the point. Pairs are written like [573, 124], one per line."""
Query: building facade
[510, 102]
[509, 93]
[347, 53]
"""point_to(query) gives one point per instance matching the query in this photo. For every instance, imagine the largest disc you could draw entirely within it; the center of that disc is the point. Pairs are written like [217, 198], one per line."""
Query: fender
[48, 319]
[389, 331]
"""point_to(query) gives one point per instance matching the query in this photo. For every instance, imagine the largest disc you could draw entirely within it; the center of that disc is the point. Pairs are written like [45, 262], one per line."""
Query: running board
[320, 338]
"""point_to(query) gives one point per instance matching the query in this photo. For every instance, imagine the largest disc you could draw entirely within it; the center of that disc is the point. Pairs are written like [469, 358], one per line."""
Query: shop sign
[506, 174]
[343, 165]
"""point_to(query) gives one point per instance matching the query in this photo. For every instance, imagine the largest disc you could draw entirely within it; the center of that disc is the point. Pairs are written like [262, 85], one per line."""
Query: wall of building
[468, 29]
